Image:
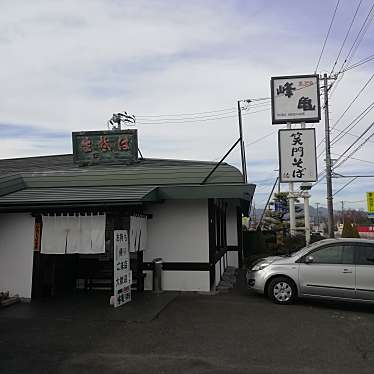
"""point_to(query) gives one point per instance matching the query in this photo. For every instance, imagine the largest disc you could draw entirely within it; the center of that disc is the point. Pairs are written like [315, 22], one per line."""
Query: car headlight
[260, 266]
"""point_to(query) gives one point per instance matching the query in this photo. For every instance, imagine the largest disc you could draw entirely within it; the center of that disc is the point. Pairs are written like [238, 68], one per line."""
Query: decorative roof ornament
[115, 123]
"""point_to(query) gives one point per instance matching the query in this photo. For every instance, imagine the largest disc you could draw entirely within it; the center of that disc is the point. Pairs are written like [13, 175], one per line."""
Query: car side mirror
[309, 259]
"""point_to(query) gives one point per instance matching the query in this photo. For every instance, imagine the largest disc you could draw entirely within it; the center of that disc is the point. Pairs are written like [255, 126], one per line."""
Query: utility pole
[291, 199]
[306, 217]
[342, 201]
[317, 215]
[329, 198]
[242, 147]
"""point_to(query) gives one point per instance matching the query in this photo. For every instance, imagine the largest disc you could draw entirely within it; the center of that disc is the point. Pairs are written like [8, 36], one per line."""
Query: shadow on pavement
[91, 306]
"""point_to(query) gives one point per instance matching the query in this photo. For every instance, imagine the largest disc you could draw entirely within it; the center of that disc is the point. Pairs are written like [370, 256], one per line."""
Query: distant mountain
[313, 211]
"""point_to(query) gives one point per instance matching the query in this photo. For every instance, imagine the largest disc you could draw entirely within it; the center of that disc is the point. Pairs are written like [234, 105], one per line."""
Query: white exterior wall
[16, 253]
[179, 232]
[232, 235]
[231, 225]
[217, 272]
[232, 259]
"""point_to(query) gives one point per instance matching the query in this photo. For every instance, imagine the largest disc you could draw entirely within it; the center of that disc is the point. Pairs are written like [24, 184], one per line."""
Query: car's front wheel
[282, 290]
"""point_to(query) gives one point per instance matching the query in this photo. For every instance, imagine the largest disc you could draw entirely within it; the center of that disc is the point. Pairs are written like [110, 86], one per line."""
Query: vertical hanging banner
[138, 233]
[297, 155]
[295, 99]
[122, 272]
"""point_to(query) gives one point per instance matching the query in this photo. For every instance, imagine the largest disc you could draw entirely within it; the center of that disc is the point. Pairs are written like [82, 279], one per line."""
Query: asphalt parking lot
[235, 332]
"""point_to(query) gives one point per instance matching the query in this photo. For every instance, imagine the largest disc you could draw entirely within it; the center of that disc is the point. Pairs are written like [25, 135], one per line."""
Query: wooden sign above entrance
[98, 147]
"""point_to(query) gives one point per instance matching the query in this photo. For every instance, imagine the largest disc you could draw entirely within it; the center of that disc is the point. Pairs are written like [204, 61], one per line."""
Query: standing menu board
[122, 272]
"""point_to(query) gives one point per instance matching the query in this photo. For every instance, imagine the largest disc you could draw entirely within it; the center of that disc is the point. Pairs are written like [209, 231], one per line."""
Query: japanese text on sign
[93, 147]
[295, 99]
[370, 201]
[122, 272]
[297, 155]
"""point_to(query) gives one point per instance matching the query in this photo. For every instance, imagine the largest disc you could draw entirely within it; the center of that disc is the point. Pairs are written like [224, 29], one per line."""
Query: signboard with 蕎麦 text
[295, 99]
[297, 155]
[97, 147]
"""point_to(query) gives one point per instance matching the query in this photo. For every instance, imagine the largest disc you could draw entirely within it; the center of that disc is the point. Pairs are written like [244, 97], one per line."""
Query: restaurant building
[58, 216]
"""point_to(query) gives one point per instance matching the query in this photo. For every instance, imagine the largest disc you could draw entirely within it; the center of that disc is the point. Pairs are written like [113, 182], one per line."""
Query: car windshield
[302, 250]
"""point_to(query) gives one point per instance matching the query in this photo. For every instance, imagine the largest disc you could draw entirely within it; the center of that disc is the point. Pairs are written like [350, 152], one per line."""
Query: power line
[215, 112]
[359, 63]
[360, 36]
[262, 138]
[186, 114]
[358, 39]
[356, 149]
[327, 36]
[196, 120]
[348, 107]
[347, 133]
[322, 175]
[353, 144]
[357, 159]
[255, 141]
[346, 185]
[346, 36]
[353, 123]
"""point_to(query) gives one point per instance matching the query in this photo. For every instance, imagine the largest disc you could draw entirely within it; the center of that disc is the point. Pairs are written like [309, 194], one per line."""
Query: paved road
[235, 332]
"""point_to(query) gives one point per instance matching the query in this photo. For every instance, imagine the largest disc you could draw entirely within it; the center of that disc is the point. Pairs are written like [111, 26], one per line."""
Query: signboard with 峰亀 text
[297, 155]
[295, 99]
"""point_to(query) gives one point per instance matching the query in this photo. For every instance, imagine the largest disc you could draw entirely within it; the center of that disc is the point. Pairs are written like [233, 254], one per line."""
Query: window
[334, 254]
[365, 255]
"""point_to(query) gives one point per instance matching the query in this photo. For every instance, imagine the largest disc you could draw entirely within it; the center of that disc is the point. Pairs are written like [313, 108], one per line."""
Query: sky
[68, 65]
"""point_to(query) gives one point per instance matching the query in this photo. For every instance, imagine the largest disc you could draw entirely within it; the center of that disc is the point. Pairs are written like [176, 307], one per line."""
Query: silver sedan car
[330, 268]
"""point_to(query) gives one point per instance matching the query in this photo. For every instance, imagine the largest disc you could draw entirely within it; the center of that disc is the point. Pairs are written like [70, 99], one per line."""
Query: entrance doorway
[64, 274]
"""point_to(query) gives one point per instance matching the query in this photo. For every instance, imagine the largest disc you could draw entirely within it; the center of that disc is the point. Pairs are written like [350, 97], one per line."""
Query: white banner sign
[295, 99]
[297, 155]
[122, 272]
[138, 233]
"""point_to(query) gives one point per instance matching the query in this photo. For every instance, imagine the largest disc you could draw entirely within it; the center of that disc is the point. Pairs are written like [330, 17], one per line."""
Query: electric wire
[346, 36]
[346, 185]
[359, 38]
[327, 36]
[347, 133]
[356, 149]
[339, 161]
[256, 103]
[262, 138]
[356, 159]
[254, 141]
[186, 114]
[197, 120]
[352, 124]
[348, 107]
[359, 63]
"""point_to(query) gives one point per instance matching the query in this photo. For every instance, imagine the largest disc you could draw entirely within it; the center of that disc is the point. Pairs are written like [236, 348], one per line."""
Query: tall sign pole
[291, 200]
[296, 100]
[330, 207]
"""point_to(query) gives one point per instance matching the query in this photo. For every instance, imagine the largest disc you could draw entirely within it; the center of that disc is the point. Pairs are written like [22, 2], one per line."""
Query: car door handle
[347, 271]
